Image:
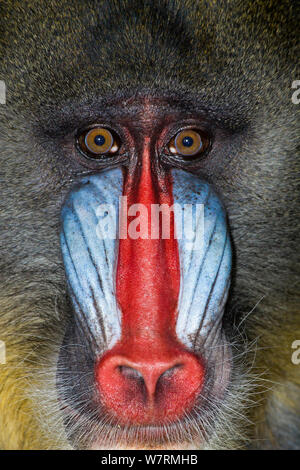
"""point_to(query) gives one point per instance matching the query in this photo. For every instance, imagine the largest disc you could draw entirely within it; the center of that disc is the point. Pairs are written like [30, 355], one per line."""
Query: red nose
[153, 389]
[149, 376]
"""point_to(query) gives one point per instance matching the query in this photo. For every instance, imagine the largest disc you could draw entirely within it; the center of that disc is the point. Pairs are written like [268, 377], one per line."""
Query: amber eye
[189, 143]
[98, 142]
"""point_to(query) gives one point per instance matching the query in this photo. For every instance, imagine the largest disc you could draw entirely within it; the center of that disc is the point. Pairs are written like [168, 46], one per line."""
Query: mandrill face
[148, 247]
[147, 256]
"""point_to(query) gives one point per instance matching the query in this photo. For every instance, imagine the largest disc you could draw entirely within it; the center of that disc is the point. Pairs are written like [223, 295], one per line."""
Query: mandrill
[149, 225]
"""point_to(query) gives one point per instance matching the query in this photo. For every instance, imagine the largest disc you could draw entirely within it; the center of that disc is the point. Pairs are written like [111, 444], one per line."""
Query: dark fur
[234, 62]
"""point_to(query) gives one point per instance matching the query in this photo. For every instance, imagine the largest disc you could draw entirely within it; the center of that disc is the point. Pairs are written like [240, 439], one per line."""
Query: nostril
[149, 390]
[130, 373]
[169, 372]
[150, 379]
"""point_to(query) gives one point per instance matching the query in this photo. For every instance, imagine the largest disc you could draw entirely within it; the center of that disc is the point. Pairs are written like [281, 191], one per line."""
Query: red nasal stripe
[148, 377]
[148, 272]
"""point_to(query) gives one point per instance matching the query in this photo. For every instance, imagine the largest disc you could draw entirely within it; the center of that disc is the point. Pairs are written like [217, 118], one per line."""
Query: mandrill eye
[98, 142]
[189, 143]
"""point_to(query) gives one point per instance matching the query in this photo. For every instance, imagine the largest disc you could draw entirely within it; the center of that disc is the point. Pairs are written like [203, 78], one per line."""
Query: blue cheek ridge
[205, 264]
[89, 259]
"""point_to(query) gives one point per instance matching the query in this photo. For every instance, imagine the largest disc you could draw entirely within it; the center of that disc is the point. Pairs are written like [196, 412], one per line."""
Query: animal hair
[235, 62]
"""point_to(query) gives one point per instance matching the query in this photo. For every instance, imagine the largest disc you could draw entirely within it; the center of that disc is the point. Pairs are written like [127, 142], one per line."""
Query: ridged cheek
[89, 248]
[205, 257]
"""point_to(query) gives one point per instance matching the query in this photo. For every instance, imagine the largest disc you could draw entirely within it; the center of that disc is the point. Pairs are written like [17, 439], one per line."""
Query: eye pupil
[187, 141]
[99, 140]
